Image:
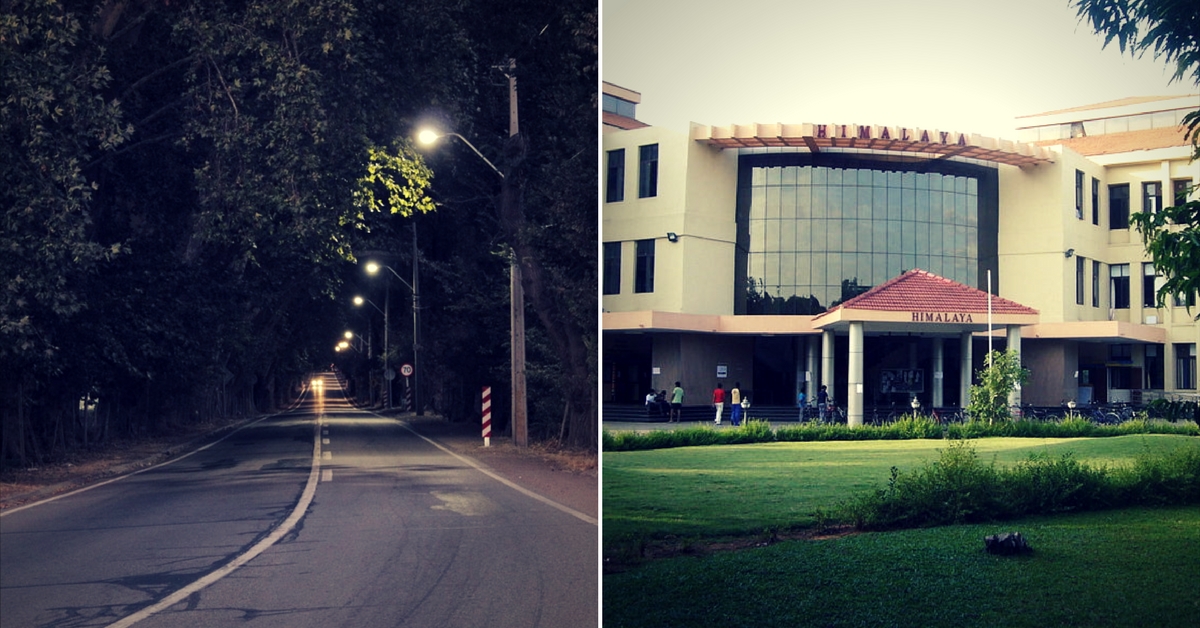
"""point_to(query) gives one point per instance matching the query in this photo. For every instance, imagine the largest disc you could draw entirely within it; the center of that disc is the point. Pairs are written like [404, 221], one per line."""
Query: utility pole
[520, 417]
[416, 305]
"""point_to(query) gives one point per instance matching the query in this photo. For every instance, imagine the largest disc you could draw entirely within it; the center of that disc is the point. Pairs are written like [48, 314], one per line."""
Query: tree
[1001, 376]
[1170, 29]
[178, 182]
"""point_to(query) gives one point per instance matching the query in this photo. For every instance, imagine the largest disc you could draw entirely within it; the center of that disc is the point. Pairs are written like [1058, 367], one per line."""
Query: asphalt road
[323, 516]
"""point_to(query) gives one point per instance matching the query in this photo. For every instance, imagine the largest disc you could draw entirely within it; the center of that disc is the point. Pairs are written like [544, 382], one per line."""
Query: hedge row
[760, 431]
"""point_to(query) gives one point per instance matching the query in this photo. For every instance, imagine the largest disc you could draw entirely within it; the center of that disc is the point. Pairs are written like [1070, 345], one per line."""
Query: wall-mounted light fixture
[672, 236]
[1069, 252]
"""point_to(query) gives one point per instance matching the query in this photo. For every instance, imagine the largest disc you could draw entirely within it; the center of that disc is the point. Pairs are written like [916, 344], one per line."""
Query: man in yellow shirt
[735, 398]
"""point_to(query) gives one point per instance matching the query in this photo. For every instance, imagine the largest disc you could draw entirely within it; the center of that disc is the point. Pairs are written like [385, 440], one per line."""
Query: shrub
[951, 490]
[1173, 478]
[958, 488]
[1176, 410]
[989, 399]
[754, 431]
[913, 428]
[1042, 484]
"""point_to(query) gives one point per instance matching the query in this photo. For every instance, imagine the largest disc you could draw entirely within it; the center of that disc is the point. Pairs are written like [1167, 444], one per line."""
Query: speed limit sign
[406, 370]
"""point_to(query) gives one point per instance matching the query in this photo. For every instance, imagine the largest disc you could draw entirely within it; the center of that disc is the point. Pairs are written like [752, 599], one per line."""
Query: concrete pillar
[1014, 344]
[827, 360]
[939, 365]
[801, 350]
[854, 378]
[813, 365]
[964, 386]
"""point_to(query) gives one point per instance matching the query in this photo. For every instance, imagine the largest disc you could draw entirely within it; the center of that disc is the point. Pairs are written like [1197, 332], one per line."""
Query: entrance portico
[918, 304]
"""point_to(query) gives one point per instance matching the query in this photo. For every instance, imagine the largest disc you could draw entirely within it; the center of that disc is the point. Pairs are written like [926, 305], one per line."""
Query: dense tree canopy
[181, 224]
[1169, 29]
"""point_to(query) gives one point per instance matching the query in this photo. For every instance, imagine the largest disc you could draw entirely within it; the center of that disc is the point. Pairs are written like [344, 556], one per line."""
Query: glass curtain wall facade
[816, 229]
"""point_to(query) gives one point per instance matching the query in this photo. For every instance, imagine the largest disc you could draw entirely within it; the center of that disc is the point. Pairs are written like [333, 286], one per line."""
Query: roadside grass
[1131, 567]
[763, 489]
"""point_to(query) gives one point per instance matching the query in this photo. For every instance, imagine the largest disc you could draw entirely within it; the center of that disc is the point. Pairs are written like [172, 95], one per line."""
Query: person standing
[719, 402]
[676, 404]
[822, 400]
[735, 398]
[800, 399]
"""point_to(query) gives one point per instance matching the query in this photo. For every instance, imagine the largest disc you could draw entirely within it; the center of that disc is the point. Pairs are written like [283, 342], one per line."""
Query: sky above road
[955, 65]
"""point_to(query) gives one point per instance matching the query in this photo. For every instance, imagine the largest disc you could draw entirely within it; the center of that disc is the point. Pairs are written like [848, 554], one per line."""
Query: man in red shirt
[719, 402]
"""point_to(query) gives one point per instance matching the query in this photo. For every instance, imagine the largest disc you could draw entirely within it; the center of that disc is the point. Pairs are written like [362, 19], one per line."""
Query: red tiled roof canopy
[922, 291]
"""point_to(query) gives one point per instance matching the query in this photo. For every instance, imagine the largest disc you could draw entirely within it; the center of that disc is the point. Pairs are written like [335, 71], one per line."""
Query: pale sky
[954, 65]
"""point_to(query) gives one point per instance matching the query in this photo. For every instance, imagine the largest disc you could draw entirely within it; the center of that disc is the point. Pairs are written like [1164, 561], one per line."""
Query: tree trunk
[565, 335]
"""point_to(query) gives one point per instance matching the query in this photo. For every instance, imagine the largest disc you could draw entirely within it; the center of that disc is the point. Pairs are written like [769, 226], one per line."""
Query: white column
[813, 365]
[854, 378]
[800, 347]
[964, 386]
[1014, 344]
[827, 360]
[939, 365]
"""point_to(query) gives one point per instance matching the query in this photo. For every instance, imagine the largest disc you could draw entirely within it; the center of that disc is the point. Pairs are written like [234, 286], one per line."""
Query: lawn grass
[704, 492]
[1133, 567]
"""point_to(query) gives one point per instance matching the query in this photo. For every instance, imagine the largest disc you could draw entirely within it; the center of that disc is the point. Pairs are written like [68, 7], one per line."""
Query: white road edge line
[505, 481]
[310, 489]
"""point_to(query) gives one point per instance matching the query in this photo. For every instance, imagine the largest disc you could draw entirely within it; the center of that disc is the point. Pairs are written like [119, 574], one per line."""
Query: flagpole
[989, 293]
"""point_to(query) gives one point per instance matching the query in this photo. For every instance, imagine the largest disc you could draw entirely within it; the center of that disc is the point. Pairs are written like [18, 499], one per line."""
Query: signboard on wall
[908, 381]
[722, 371]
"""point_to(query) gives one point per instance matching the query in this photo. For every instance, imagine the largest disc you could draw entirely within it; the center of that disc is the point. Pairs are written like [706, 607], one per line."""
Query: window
[1189, 302]
[1119, 286]
[1151, 197]
[612, 268]
[1179, 190]
[1149, 286]
[1118, 206]
[1154, 367]
[644, 271]
[615, 191]
[619, 106]
[1095, 283]
[1079, 194]
[1185, 366]
[648, 171]
[1079, 267]
[1095, 201]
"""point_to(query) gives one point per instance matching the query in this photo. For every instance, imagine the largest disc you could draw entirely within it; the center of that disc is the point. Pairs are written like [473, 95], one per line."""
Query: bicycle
[1100, 415]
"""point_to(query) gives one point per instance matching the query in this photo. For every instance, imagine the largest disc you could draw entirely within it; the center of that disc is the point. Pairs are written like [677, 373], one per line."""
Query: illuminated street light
[429, 137]
[358, 301]
[373, 268]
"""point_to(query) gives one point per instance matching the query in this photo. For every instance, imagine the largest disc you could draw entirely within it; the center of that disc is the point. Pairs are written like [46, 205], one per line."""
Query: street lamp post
[508, 200]
[358, 301]
[516, 297]
[372, 268]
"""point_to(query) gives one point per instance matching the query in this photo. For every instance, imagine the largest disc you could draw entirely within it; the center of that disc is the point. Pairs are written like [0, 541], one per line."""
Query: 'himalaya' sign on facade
[864, 132]
[941, 317]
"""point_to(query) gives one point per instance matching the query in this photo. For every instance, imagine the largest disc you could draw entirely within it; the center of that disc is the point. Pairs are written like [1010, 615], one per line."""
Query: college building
[885, 262]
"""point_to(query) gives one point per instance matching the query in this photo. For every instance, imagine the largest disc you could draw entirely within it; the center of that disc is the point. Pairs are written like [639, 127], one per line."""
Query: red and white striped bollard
[487, 416]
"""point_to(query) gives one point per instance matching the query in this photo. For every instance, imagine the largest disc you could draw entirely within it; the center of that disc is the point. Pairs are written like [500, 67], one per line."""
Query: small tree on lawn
[989, 398]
